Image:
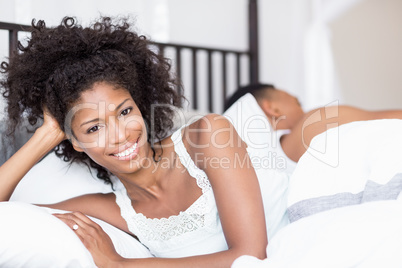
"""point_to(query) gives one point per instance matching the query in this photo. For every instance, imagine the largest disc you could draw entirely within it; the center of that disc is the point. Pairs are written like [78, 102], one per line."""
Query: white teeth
[128, 151]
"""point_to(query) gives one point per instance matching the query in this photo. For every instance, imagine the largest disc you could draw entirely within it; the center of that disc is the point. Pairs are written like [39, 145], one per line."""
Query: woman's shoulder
[207, 133]
[210, 121]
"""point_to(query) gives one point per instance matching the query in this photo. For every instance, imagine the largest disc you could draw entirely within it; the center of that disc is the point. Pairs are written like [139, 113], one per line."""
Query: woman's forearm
[220, 259]
[15, 168]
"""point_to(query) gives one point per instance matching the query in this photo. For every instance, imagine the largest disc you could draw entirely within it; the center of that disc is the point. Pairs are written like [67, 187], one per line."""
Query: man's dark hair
[255, 89]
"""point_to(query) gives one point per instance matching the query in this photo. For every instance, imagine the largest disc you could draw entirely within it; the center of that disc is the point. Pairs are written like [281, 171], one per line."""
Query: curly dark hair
[59, 63]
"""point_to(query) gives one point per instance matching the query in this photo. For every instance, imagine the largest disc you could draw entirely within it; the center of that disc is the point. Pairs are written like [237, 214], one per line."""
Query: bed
[364, 233]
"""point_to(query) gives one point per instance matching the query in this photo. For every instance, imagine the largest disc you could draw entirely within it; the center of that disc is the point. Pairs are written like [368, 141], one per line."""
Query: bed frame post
[253, 41]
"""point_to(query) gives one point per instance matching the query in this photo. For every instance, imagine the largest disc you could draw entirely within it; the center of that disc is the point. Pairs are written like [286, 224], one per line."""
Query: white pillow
[253, 127]
[32, 237]
[53, 180]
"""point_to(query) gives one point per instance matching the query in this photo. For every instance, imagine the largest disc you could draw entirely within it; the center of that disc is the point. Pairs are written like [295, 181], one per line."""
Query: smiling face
[108, 126]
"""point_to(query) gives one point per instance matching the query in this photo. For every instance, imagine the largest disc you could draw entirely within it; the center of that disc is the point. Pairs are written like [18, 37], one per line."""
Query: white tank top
[195, 231]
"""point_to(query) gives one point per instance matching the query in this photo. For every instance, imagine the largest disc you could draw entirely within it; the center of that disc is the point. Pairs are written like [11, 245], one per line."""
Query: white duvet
[359, 164]
[364, 236]
[353, 164]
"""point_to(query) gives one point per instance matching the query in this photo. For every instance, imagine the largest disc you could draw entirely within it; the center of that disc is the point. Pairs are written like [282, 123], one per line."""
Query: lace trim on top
[202, 213]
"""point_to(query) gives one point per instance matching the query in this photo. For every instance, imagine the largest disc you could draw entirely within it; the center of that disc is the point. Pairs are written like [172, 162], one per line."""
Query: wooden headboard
[244, 61]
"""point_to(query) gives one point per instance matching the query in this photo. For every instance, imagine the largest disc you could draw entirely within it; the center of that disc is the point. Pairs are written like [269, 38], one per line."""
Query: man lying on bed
[295, 128]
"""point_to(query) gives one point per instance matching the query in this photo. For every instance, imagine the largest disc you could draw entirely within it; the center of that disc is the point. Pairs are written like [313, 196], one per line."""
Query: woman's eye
[126, 111]
[93, 129]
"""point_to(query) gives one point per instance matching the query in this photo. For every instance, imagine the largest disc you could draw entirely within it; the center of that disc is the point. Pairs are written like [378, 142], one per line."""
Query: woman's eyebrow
[121, 104]
[97, 119]
[90, 121]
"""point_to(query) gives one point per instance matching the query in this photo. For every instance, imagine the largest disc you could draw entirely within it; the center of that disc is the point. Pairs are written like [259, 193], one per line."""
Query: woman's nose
[117, 131]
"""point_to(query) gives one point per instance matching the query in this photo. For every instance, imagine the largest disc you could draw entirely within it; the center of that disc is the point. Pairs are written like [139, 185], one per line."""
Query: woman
[107, 101]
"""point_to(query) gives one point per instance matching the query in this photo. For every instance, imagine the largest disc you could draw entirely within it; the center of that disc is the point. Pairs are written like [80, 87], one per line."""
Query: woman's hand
[51, 127]
[42, 142]
[93, 237]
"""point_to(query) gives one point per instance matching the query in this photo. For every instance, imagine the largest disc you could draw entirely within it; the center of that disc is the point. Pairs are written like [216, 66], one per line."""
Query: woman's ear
[76, 145]
[270, 108]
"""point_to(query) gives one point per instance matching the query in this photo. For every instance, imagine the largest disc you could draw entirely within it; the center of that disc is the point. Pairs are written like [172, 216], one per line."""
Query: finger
[73, 221]
[69, 221]
[46, 113]
[90, 233]
[45, 109]
[83, 217]
[78, 220]
[83, 220]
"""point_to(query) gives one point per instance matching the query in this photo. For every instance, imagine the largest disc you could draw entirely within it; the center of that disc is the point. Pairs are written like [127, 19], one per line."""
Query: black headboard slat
[224, 76]
[238, 69]
[194, 79]
[253, 41]
[210, 74]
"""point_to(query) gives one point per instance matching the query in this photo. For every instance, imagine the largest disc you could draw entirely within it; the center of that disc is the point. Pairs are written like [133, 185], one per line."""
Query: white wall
[282, 24]
[367, 45]
[367, 50]
[221, 23]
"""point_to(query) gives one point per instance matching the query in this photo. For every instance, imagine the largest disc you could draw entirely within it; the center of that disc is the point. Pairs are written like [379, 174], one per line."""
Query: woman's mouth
[129, 153]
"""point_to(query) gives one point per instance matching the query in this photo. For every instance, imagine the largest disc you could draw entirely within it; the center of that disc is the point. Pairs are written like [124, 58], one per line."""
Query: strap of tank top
[188, 163]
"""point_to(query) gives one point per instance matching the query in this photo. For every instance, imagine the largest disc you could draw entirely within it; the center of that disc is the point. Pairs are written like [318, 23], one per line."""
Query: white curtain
[321, 84]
